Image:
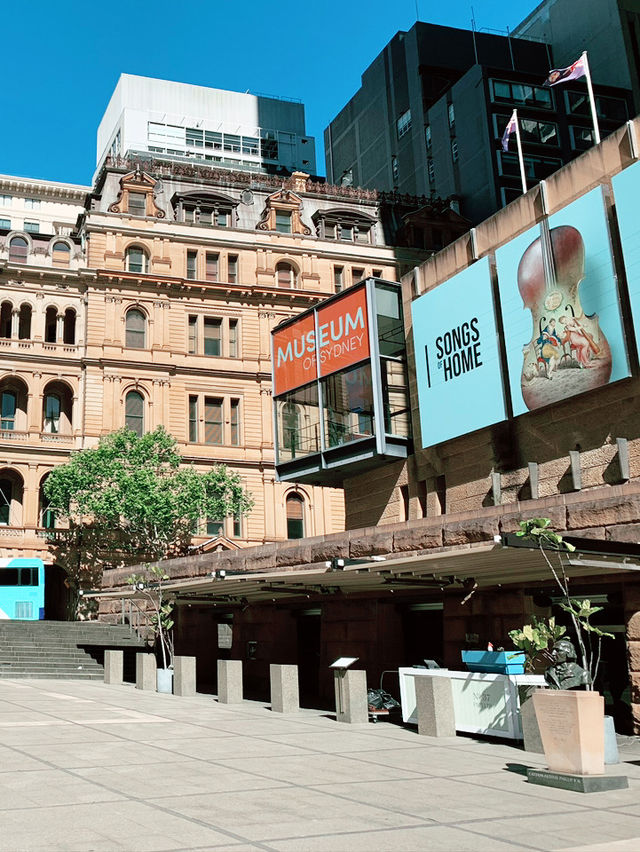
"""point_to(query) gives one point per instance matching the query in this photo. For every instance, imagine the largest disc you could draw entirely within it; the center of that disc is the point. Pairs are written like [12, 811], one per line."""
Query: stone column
[15, 319]
[434, 703]
[146, 672]
[59, 328]
[230, 681]
[113, 667]
[351, 696]
[184, 676]
[284, 689]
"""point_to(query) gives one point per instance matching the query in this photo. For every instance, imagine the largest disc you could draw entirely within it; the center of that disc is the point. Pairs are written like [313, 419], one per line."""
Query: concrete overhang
[483, 565]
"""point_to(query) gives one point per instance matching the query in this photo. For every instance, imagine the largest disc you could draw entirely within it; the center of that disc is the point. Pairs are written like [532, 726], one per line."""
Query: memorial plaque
[572, 730]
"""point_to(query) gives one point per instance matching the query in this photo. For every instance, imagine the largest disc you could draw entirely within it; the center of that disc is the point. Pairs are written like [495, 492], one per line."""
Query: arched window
[11, 494]
[51, 325]
[18, 248]
[69, 327]
[134, 413]
[136, 329]
[61, 254]
[51, 413]
[137, 260]
[9, 403]
[295, 516]
[285, 275]
[24, 322]
[46, 515]
[6, 310]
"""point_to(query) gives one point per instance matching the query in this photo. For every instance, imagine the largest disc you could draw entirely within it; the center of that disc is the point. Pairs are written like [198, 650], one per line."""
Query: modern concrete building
[608, 29]
[432, 108]
[186, 123]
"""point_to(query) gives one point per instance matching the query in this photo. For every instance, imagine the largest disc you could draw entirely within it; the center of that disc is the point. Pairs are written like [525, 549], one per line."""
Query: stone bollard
[146, 672]
[351, 696]
[184, 676]
[113, 666]
[229, 681]
[434, 704]
[284, 689]
[530, 729]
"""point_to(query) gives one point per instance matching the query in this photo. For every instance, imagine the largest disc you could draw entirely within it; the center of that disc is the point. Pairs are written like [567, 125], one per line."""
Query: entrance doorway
[309, 626]
[423, 633]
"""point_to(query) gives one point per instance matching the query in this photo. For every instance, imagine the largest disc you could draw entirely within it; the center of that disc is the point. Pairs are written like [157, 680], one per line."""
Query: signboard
[343, 340]
[457, 360]
[626, 188]
[561, 319]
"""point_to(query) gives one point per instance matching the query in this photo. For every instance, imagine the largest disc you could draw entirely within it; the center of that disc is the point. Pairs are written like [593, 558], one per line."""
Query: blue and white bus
[22, 589]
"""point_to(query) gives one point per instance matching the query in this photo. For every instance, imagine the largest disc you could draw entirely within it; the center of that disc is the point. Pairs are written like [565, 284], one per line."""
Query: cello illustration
[568, 353]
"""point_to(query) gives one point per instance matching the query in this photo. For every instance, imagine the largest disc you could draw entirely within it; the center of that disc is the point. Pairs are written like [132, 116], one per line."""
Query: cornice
[45, 188]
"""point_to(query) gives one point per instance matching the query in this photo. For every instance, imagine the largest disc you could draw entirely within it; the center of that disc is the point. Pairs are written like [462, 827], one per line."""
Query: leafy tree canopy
[129, 499]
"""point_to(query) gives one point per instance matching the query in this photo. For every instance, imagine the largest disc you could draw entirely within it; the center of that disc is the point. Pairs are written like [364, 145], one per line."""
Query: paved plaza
[85, 766]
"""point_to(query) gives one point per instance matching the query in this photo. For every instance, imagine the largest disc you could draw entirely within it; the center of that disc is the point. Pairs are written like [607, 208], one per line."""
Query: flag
[509, 129]
[561, 75]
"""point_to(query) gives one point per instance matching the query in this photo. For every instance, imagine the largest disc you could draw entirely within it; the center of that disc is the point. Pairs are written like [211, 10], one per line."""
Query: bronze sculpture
[564, 672]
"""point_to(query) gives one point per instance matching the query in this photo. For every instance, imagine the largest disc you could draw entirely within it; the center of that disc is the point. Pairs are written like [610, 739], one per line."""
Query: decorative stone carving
[139, 182]
[288, 202]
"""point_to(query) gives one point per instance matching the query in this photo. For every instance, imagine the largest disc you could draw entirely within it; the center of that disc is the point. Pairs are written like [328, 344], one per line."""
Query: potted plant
[570, 714]
[536, 640]
[160, 621]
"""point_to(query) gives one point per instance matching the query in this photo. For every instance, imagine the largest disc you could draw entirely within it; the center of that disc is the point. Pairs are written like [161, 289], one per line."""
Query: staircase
[61, 649]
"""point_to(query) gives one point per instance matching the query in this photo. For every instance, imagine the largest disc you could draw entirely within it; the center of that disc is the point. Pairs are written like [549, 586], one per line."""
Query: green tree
[129, 500]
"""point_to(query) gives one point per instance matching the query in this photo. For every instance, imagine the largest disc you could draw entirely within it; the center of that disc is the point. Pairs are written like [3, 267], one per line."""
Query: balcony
[15, 437]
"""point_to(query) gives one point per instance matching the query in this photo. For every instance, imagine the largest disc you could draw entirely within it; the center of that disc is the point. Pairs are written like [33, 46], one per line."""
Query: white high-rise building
[179, 121]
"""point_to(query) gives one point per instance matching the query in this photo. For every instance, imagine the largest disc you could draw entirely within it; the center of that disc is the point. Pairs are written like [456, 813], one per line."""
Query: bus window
[28, 576]
[8, 576]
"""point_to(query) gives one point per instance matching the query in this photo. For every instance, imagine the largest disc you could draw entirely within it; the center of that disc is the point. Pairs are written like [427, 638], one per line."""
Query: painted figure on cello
[568, 353]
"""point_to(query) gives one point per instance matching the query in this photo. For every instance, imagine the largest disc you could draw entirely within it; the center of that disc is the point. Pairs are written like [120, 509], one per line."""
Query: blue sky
[62, 60]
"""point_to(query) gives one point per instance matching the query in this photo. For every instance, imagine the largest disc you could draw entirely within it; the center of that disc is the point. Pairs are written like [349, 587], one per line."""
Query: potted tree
[160, 621]
[571, 713]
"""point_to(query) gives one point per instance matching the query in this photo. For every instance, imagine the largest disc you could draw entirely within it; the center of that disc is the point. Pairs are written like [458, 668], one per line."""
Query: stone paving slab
[88, 766]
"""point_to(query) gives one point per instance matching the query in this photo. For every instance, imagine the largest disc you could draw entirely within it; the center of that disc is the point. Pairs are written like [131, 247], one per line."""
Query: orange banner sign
[294, 355]
[343, 332]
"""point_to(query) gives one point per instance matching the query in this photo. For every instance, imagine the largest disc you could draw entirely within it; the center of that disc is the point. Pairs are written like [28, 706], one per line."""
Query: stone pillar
[530, 728]
[15, 320]
[184, 676]
[434, 704]
[113, 666]
[59, 328]
[351, 696]
[284, 689]
[230, 681]
[146, 672]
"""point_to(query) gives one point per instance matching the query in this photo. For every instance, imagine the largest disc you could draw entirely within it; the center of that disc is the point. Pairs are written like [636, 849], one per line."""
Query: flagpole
[520, 157]
[592, 101]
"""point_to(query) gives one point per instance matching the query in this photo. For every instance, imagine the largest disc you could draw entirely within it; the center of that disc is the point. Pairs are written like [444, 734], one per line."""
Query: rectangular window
[427, 137]
[193, 419]
[8, 410]
[137, 203]
[431, 170]
[237, 526]
[215, 528]
[193, 335]
[363, 235]
[32, 203]
[192, 264]
[451, 114]
[5, 200]
[338, 278]
[357, 275]
[518, 93]
[377, 273]
[212, 266]
[213, 421]
[32, 227]
[329, 231]
[283, 221]
[235, 423]
[581, 137]
[403, 124]
[5, 224]
[454, 150]
[346, 232]
[232, 276]
[212, 336]
[222, 219]
[233, 338]
[206, 217]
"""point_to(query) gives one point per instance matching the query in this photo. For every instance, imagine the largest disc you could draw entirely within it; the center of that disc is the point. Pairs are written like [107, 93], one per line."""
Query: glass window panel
[212, 267]
[357, 275]
[135, 329]
[295, 516]
[9, 404]
[206, 217]
[18, 248]
[215, 528]
[233, 269]
[193, 419]
[283, 221]
[338, 278]
[5, 224]
[213, 421]
[212, 336]
[390, 326]
[134, 413]
[235, 423]
[222, 219]
[237, 526]
[136, 260]
[298, 422]
[192, 264]
[346, 232]
[9, 577]
[395, 398]
[138, 203]
[6, 493]
[32, 227]
[233, 338]
[348, 405]
[52, 413]
[193, 335]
